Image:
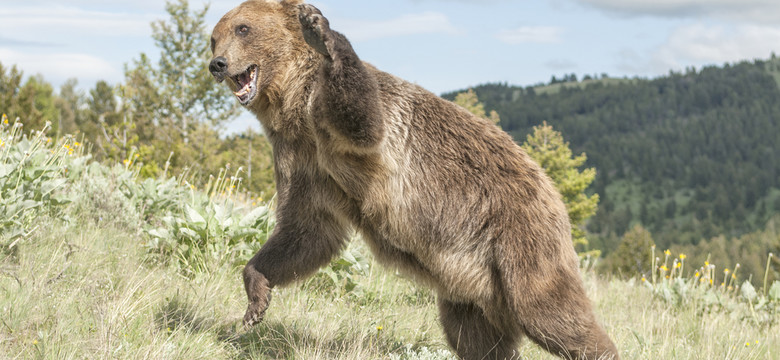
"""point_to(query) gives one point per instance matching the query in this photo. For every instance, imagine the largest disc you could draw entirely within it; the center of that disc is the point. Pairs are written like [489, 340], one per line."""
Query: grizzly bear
[436, 192]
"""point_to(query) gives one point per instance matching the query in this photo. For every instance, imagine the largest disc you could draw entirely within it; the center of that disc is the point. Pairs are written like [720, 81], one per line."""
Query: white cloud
[719, 44]
[700, 44]
[409, 24]
[531, 34]
[58, 67]
[765, 11]
[42, 23]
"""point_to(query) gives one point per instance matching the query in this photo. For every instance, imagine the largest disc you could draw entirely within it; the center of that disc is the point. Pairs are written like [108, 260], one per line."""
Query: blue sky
[441, 45]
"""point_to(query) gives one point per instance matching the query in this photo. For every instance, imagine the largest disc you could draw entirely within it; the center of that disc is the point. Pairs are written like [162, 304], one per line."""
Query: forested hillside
[689, 156]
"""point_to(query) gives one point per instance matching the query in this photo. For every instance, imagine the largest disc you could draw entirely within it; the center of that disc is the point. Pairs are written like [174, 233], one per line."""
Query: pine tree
[633, 255]
[547, 147]
[469, 101]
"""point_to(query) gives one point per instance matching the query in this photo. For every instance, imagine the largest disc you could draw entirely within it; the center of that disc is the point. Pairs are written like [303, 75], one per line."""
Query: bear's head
[256, 46]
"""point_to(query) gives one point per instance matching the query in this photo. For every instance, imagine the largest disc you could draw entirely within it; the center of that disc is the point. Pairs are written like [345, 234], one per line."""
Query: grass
[86, 291]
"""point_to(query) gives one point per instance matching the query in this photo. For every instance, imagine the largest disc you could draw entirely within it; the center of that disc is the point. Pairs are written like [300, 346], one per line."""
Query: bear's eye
[242, 30]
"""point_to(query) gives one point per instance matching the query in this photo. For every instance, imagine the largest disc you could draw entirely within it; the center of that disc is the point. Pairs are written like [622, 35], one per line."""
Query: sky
[440, 45]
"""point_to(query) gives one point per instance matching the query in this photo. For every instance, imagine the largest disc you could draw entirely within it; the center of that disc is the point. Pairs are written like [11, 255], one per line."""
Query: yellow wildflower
[379, 328]
[683, 256]
[35, 342]
[747, 343]
[1, 142]
[733, 276]
[725, 271]
[697, 274]
[664, 268]
[76, 143]
[5, 119]
[677, 265]
[137, 155]
[667, 252]
[706, 263]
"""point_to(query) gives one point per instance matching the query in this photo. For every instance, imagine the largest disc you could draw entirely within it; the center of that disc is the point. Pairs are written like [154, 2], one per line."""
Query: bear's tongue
[245, 81]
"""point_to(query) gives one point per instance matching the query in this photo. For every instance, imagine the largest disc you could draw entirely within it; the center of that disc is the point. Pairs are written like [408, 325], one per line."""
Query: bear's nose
[218, 67]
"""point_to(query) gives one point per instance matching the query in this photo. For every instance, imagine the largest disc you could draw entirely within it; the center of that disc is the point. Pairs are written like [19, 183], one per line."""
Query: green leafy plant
[343, 273]
[33, 168]
[212, 225]
[712, 291]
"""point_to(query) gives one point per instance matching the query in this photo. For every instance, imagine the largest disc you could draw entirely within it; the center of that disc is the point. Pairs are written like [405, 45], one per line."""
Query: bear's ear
[291, 6]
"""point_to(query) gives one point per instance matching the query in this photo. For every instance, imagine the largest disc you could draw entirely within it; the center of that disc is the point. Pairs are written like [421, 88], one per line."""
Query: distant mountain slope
[688, 155]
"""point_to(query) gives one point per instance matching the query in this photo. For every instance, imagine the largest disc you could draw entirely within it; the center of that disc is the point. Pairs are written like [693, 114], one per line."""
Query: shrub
[33, 170]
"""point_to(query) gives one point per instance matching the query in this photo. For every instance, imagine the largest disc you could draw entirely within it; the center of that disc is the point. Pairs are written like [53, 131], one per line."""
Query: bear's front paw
[253, 315]
[315, 28]
[255, 312]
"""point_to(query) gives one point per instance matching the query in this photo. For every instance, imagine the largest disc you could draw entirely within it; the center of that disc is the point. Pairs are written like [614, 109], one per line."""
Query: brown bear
[435, 192]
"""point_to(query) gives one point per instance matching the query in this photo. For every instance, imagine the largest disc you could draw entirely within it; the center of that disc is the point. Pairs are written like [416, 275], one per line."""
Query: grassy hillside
[97, 263]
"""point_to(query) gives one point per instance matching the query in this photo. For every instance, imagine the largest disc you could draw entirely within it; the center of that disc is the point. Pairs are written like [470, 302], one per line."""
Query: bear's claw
[315, 28]
[255, 312]
[253, 316]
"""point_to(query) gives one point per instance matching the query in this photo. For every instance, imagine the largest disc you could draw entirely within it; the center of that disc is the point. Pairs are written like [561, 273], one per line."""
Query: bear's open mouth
[247, 85]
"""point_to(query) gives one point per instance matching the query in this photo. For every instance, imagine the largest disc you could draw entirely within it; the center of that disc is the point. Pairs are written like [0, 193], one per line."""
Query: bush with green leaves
[33, 170]
[713, 291]
[342, 275]
[206, 230]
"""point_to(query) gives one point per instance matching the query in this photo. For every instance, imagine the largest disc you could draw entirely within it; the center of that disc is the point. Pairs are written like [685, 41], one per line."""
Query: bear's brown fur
[436, 192]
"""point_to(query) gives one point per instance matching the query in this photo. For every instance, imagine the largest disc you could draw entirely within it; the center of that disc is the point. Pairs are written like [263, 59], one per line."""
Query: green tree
[547, 147]
[173, 109]
[69, 103]
[106, 125]
[178, 93]
[10, 83]
[469, 101]
[35, 105]
[633, 255]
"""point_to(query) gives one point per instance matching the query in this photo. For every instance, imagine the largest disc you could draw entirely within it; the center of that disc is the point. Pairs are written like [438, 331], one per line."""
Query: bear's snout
[218, 68]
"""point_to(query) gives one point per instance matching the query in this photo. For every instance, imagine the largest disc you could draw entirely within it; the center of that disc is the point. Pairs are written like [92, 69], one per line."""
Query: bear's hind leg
[562, 321]
[472, 336]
